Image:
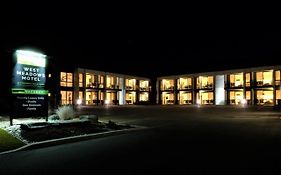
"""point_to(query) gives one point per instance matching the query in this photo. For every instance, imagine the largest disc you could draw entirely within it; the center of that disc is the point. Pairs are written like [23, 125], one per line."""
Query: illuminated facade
[91, 87]
[253, 86]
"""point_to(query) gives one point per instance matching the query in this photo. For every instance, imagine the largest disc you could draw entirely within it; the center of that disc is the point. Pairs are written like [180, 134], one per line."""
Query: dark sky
[153, 44]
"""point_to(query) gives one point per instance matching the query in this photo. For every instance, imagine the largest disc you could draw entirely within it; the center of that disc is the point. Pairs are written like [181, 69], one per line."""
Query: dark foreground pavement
[180, 140]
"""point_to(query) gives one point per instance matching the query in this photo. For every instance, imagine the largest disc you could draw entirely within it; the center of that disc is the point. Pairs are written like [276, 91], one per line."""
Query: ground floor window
[236, 97]
[80, 95]
[278, 97]
[94, 97]
[264, 97]
[144, 96]
[66, 97]
[130, 97]
[205, 97]
[167, 98]
[111, 98]
[185, 98]
[91, 97]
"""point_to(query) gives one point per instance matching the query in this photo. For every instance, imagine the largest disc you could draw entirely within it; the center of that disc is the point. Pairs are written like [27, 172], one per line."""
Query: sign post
[30, 98]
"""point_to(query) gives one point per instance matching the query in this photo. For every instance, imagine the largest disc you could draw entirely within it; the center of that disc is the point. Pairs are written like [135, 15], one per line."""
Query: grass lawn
[8, 142]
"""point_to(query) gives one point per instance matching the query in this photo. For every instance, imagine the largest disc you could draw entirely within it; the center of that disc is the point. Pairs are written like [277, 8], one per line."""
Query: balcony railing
[264, 83]
[94, 85]
[144, 88]
[206, 86]
[130, 88]
[113, 86]
[168, 88]
[183, 87]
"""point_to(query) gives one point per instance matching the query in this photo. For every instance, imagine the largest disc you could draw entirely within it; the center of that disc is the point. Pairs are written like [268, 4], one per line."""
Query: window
[205, 82]
[110, 82]
[90, 80]
[66, 79]
[101, 81]
[130, 97]
[236, 80]
[264, 78]
[185, 98]
[277, 77]
[111, 98]
[130, 84]
[144, 85]
[80, 80]
[167, 84]
[235, 97]
[184, 83]
[81, 95]
[248, 95]
[278, 97]
[264, 97]
[167, 98]
[66, 97]
[248, 79]
[90, 97]
[144, 96]
[204, 97]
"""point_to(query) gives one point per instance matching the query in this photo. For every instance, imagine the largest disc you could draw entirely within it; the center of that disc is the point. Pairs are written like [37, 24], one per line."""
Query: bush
[65, 112]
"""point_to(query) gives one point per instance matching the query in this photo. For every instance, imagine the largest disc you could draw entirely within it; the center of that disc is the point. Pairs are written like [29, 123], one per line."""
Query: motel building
[252, 86]
[93, 88]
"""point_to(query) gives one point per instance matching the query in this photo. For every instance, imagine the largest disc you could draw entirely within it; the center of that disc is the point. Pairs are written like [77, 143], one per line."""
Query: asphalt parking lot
[179, 140]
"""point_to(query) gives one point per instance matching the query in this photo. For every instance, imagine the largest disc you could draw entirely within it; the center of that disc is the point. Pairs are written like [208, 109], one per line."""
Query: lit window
[66, 97]
[264, 97]
[66, 79]
[167, 84]
[205, 82]
[144, 85]
[184, 83]
[248, 79]
[236, 80]
[277, 77]
[144, 96]
[80, 80]
[130, 84]
[264, 78]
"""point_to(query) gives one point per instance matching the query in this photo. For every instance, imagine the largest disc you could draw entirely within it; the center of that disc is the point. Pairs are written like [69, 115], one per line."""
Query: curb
[72, 139]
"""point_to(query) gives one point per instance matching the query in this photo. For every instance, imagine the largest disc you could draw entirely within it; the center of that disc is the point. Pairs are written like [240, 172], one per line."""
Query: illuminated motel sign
[28, 85]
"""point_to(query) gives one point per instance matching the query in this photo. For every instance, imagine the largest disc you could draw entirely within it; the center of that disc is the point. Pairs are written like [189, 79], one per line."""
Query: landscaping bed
[66, 129]
[31, 130]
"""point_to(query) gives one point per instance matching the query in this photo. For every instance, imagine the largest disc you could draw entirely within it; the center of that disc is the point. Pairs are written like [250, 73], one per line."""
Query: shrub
[65, 112]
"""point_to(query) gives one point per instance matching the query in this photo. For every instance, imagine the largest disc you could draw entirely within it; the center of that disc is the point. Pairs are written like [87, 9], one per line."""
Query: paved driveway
[180, 140]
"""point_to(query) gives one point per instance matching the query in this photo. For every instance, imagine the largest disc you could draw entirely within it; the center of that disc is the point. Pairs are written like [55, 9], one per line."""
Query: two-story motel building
[253, 86]
[92, 87]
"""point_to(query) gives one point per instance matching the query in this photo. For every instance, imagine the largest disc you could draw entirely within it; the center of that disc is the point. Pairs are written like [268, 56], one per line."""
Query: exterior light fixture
[243, 101]
[79, 102]
[106, 102]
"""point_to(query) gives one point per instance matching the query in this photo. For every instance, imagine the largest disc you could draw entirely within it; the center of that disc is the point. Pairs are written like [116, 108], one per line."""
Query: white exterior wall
[122, 92]
[219, 90]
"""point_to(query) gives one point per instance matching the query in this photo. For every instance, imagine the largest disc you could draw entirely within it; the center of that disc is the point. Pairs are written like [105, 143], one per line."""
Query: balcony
[144, 88]
[113, 86]
[170, 88]
[264, 83]
[187, 101]
[94, 85]
[130, 88]
[183, 87]
[236, 85]
[206, 86]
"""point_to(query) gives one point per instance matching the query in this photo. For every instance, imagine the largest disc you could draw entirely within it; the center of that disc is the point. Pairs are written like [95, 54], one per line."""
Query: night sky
[146, 45]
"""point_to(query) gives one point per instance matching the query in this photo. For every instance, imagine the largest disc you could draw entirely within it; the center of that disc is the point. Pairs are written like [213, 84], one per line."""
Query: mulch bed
[60, 131]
